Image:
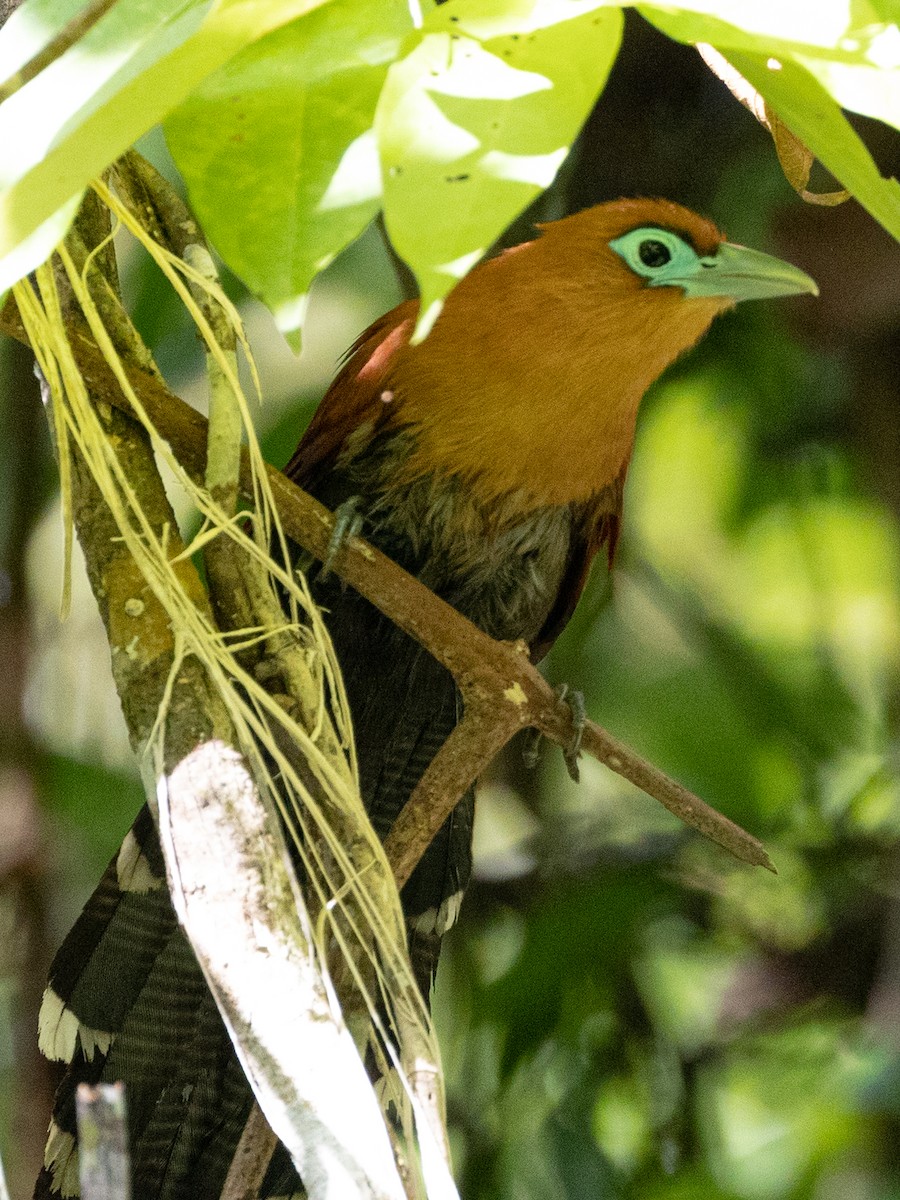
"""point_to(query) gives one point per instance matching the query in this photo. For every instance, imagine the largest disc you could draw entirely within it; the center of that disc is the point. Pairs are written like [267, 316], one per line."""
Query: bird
[489, 460]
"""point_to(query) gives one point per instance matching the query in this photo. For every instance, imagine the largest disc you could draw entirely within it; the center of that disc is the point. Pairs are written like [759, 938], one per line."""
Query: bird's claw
[575, 701]
[348, 522]
[531, 748]
[534, 737]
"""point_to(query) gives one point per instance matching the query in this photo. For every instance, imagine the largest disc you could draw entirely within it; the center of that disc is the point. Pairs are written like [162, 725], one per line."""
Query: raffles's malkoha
[489, 461]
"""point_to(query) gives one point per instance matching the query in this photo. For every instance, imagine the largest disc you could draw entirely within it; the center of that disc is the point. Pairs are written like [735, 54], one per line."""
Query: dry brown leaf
[795, 158]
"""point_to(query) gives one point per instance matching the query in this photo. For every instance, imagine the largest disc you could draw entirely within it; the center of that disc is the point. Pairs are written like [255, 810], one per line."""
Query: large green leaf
[64, 96]
[37, 246]
[277, 150]
[851, 30]
[141, 60]
[847, 54]
[848, 47]
[816, 119]
[873, 91]
[476, 120]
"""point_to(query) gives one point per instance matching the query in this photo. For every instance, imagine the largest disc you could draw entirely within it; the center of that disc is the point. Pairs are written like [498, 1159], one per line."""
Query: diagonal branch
[502, 690]
[70, 33]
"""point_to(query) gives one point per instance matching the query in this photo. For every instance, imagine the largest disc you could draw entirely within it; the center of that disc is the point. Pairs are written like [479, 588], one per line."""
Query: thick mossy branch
[181, 693]
[505, 690]
[176, 705]
[142, 645]
[244, 598]
[251, 1158]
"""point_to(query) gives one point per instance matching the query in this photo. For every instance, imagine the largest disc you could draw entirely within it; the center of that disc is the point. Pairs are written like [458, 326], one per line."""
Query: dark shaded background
[624, 1011]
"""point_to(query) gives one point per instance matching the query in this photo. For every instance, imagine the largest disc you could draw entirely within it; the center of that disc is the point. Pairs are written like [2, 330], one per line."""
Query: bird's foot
[534, 737]
[348, 523]
[575, 700]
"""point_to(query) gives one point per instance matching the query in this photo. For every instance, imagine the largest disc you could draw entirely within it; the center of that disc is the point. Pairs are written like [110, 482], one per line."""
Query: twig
[104, 1169]
[483, 732]
[500, 674]
[251, 1158]
[57, 46]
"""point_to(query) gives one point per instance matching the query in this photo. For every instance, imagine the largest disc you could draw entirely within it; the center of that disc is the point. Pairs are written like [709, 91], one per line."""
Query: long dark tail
[404, 706]
[126, 1000]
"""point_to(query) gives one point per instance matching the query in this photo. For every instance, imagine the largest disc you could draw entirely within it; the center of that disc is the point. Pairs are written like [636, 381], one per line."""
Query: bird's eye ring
[653, 253]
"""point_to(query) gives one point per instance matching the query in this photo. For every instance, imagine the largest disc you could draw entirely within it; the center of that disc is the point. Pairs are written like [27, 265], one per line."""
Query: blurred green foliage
[625, 1012]
[638, 1016]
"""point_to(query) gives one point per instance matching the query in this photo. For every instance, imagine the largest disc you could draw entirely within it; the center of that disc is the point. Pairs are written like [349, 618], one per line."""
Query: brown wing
[599, 527]
[358, 396]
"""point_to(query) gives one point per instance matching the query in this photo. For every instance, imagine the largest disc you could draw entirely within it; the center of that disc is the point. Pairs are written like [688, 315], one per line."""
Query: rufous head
[532, 375]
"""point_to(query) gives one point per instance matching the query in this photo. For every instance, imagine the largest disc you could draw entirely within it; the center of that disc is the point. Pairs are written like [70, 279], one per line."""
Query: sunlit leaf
[804, 69]
[795, 158]
[29, 29]
[476, 120]
[872, 91]
[64, 127]
[850, 31]
[813, 116]
[853, 54]
[277, 151]
[37, 247]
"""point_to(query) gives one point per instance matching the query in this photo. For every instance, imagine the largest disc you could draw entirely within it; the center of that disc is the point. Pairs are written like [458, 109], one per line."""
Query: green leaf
[848, 30]
[75, 85]
[476, 121]
[278, 152]
[805, 70]
[816, 119]
[35, 120]
[887, 10]
[872, 91]
[37, 247]
[142, 59]
[852, 53]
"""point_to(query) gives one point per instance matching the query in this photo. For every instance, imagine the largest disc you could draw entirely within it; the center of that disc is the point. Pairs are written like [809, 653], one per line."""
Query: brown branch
[477, 739]
[251, 1158]
[499, 685]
